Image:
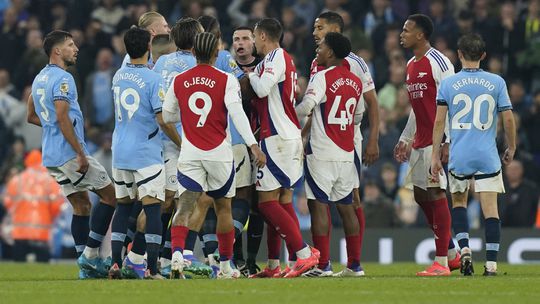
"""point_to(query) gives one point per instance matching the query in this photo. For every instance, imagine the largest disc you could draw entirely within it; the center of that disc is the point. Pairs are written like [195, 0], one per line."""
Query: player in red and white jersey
[328, 22]
[424, 73]
[334, 97]
[274, 82]
[201, 99]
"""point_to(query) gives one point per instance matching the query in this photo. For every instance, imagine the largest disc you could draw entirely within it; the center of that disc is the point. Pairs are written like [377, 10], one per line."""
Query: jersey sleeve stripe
[272, 55]
[438, 59]
[442, 102]
[502, 109]
[359, 61]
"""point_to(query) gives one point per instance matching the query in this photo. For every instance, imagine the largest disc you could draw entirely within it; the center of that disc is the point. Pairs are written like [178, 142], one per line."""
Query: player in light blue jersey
[138, 169]
[156, 24]
[53, 105]
[473, 99]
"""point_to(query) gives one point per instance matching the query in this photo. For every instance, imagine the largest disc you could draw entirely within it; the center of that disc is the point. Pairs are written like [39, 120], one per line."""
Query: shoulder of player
[438, 59]
[275, 54]
[356, 60]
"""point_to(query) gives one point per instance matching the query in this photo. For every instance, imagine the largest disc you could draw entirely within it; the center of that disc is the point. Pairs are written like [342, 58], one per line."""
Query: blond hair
[148, 18]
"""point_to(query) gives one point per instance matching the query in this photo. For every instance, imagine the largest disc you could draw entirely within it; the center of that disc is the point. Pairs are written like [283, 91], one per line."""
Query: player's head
[327, 22]
[137, 41]
[155, 23]
[205, 47]
[471, 47]
[416, 31]
[243, 41]
[161, 45]
[332, 49]
[211, 25]
[184, 31]
[267, 31]
[60, 45]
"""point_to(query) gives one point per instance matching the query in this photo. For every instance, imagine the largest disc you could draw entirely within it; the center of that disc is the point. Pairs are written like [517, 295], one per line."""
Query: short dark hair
[184, 31]
[243, 28]
[333, 18]
[339, 44]
[204, 46]
[424, 23]
[53, 38]
[472, 46]
[211, 25]
[271, 27]
[136, 40]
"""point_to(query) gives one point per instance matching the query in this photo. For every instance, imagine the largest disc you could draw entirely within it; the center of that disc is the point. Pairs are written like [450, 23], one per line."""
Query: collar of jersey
[472, 69]
[51, 65]
[131, 65]
[184, 52]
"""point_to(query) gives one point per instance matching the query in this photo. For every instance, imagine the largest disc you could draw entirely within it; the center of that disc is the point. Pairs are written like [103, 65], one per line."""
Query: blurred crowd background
[511, 30]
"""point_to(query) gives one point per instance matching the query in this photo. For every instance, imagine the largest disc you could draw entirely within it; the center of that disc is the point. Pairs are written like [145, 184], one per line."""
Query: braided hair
[205, 47]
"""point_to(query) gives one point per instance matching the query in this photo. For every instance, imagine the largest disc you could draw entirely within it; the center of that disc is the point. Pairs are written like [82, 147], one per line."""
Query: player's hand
[508, 156]
[372, 152]
[260, 157]
[83, 163]
[401, 153]
[436, 169]
[445, 152]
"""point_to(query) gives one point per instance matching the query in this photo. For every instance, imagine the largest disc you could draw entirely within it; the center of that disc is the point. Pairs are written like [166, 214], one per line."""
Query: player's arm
[509, 126]
[31, 115]
[313, 96]
[273, 69]
[406, 138]
[438, 132]
[171, 109]
[169, 129]
[66, 127]
[233, 102]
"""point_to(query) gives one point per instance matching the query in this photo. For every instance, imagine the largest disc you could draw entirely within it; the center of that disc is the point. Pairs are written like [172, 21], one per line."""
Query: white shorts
[329, 181]
[419, 174]
[283, 164]
[72, 181]
[242, 162]
[357, 163]
[147, 181]
[482, 182]
[216, 178]
[170, 156]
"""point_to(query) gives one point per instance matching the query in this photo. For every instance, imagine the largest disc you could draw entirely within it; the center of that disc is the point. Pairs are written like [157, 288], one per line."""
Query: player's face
[321, 28]
[69, 52]
[159, 27]
[259, 36]
[409, 34]
[323, 53]
[243, 42]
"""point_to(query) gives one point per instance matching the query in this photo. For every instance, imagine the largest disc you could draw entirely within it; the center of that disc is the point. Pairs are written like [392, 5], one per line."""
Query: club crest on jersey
[232, 64]
[421, 74]
[64, 88]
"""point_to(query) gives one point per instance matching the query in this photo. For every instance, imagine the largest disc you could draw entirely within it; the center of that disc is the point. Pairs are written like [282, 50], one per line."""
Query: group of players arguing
[197, 133]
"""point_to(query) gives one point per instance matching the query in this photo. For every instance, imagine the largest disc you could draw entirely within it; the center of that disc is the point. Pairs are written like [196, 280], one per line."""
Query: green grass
[31, 283]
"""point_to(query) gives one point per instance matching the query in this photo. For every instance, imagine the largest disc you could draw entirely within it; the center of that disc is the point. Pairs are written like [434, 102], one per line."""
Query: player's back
[200, 92]
[51, 84]
[474, 98]
[138, 94]
[170, 65]
[333, 133]
[276, 111]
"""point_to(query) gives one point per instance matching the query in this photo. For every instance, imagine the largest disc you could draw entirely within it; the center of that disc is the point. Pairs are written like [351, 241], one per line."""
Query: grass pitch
[31, 283]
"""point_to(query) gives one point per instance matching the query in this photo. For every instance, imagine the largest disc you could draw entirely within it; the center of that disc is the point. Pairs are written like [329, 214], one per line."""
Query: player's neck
[470, 64]
[421, 50]
[245, 60]
[140, 61]
[335, 62]
[270, 47]
[58, 62]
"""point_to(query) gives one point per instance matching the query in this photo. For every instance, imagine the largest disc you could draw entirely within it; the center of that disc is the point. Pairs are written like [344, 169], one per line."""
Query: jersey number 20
[478, 101]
